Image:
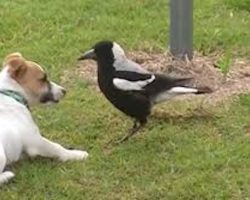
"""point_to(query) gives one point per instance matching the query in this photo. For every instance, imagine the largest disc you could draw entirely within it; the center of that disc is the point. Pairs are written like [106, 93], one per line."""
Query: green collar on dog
[15, 95]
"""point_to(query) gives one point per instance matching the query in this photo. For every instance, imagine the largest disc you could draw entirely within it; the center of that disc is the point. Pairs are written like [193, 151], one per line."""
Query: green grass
[224, 63]
[194, 158]
[239, 5]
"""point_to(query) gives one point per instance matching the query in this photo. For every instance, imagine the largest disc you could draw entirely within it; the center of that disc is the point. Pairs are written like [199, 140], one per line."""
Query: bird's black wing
[132, 76]
[165, 87]
[132, 81]
[163, 83]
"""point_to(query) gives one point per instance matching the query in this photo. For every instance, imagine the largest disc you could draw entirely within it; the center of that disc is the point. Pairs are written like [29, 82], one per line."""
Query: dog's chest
[15, 128]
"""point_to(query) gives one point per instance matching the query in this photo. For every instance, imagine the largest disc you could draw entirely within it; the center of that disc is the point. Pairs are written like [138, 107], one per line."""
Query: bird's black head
[104, 51]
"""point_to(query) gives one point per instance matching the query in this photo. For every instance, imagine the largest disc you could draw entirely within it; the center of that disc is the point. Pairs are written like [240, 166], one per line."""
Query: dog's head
[33, 80]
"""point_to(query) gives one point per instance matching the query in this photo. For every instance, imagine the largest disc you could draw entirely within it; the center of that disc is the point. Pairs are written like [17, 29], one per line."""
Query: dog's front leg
[5, 176]
[44, 147]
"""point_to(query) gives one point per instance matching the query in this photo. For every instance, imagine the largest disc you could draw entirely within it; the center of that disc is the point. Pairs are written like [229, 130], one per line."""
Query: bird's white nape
[118, 52]
[121, 63]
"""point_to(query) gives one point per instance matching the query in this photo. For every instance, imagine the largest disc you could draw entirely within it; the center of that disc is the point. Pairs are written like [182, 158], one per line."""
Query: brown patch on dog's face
[28, 74]
[33, 79]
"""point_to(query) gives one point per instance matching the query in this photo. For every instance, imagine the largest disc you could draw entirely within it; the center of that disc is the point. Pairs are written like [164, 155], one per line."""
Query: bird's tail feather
[186, 90]
[204, 90]
[180, 90]
[183, 81]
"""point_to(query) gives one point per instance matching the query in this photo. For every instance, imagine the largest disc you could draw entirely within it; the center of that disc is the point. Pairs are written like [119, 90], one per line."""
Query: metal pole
[181, 28]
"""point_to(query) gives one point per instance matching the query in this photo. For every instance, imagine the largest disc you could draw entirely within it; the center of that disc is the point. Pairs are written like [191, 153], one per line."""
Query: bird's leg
[136, 127]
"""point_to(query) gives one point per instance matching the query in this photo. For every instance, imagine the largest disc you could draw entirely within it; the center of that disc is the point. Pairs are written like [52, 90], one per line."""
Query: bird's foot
[131, 132]
[119, 140]
[123, 139]
[136, 127]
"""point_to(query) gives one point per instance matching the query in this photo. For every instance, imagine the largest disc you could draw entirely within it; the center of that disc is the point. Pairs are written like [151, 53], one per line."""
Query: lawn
[193, 158]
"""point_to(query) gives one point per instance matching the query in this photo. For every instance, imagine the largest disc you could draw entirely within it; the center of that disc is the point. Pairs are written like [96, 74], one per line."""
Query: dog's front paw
[75, 155]
[6, 176]
[79, 155]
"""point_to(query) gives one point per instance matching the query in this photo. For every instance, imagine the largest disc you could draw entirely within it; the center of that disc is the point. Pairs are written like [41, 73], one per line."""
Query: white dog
[23, 84]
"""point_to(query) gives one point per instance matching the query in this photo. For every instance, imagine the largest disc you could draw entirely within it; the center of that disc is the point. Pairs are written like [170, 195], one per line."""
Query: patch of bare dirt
[202, 68]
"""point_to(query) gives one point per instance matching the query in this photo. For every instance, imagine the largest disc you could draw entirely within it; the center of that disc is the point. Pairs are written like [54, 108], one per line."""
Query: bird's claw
[119, 140]
[123, 139]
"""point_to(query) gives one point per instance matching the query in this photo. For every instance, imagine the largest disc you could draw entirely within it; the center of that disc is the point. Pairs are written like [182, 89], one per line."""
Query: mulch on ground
[203, 69]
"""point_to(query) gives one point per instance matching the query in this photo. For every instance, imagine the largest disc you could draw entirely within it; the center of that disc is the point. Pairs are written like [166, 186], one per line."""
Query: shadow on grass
[157, 119]
[175, 118]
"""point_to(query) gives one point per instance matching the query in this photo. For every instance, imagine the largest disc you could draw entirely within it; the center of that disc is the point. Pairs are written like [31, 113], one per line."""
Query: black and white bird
[131, 88]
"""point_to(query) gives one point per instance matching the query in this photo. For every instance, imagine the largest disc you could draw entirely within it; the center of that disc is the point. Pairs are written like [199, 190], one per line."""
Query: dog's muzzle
[54, 94]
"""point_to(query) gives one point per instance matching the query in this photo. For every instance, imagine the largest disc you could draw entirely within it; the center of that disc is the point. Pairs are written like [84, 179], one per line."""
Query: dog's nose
[64, 91]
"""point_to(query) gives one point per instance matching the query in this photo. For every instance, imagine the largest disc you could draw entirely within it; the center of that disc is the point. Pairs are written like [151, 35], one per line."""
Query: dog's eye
[44, 78]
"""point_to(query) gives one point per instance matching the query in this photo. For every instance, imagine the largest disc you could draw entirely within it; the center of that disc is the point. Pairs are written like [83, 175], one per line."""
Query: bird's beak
[90, 54]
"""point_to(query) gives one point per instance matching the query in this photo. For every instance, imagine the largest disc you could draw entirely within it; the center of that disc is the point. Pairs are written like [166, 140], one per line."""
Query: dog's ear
[16, 65]
[11, 56]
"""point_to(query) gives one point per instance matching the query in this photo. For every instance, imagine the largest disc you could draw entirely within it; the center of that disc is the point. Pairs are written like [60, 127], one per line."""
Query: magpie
[131, 88]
